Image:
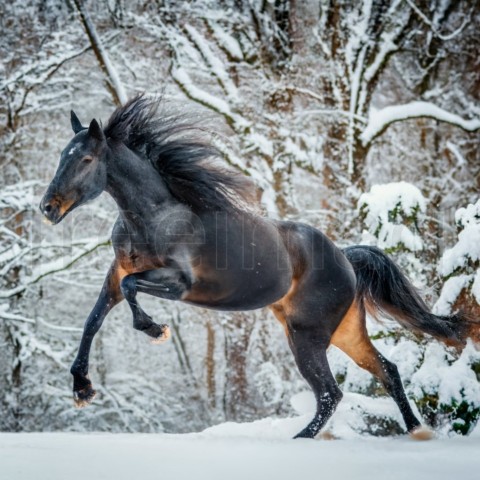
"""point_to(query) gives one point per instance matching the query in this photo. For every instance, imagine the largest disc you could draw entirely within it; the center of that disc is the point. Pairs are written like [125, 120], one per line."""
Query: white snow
[380, 119]
[269, 383]
[351, 416]
[9, 253]
[461, 260]
[181, 76]
[467, 248]
[456, 153]
[438, 14]
[450, 291]
[451, 379]
[56, 265]
[19, 196]
[214, 62]
[7, 315]
[379, 204]
[469, 215]
[113, 75]
[229, 43]
[261, 449]
[233, 451]
[476, 286]
[261, 142]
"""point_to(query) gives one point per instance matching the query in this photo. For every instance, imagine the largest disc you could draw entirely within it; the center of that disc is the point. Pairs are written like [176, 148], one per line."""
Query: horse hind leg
[352, 338]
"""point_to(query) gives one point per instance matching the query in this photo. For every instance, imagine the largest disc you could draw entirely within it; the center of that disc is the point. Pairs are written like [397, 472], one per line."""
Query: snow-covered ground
[52, 456]
[249, 451]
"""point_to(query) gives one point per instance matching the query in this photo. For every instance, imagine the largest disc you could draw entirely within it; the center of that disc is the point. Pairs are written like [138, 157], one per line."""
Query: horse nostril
[48, 208]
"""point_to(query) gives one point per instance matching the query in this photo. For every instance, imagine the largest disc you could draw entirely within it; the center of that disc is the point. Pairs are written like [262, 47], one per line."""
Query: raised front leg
[110, 295]
[165, 283]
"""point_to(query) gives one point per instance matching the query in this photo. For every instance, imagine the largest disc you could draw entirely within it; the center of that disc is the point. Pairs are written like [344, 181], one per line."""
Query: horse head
[81, 174]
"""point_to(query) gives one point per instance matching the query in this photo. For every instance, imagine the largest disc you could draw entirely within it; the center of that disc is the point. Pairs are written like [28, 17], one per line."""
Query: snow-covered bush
[391, 213]
[443, 383]
[460, 265]
[446, 387]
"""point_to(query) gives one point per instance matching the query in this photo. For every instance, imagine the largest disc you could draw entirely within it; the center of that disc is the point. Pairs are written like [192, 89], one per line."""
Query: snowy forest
[361, 118]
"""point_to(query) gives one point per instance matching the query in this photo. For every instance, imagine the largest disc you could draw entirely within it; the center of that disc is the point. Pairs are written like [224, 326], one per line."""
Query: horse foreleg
[309, 338]
[110, 295]
[163, 283]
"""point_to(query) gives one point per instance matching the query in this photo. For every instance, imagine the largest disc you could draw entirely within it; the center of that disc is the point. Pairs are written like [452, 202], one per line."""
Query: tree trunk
[113, 82]
[236, 398]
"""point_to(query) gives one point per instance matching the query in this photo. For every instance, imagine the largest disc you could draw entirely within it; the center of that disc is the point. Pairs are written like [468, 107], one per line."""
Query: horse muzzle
[53, 209]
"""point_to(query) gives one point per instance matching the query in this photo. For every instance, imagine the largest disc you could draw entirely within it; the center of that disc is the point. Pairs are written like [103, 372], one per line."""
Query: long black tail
[385, 290]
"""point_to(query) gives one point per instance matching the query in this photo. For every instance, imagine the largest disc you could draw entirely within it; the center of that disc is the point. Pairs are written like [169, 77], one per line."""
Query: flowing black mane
[188, 163]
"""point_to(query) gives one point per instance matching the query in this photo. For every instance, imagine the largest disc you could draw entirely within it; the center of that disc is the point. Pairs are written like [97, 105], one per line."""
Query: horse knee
[128, 286]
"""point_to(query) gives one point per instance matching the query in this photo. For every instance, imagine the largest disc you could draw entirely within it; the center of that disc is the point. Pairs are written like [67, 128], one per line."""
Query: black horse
[185, 232]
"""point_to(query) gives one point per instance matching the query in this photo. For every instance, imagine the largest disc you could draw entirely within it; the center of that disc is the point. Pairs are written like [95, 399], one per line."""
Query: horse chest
[134, 251]
[133, 259]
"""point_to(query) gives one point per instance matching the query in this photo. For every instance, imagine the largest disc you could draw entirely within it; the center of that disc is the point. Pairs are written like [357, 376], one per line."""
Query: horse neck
[135, 185]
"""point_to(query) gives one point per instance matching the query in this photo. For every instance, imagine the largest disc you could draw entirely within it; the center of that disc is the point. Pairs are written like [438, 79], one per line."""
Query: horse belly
[241, 286]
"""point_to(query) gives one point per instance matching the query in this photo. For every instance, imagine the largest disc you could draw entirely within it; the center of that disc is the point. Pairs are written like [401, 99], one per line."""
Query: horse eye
[87, 160]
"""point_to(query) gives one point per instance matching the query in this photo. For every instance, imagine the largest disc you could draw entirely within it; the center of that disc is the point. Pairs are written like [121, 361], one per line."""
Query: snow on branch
[467, 249]
[434, 27]
[380, 120]
[226, 41]
[6, 315]
[40, 70]
[391, 213]
[214, 63]
[116, 88]
[461, 263]
[183, 80]
[55, 266]
[320, 111]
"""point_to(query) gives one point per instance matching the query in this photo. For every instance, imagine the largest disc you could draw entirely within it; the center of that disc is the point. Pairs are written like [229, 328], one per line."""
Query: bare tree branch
[113, 80]
[380, 120]
[54, 267]
[435, 31]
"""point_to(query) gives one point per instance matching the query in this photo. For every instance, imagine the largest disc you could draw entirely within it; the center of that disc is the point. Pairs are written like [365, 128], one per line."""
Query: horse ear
[95, 131]
[76, 125]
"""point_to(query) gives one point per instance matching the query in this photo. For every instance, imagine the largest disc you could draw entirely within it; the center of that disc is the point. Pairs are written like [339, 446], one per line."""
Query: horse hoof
[162, 335]
[305, 433]
[83, 398]
[327, 436]
[422, 433]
